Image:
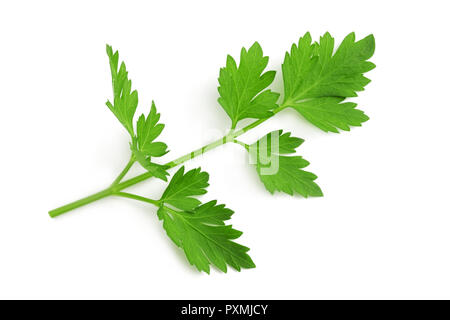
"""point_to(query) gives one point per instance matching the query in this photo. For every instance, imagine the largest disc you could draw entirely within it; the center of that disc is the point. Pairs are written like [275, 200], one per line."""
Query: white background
[382, 230]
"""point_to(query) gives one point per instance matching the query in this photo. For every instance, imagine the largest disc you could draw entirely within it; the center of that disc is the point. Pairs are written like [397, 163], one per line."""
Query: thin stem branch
[136, 197]
[115, 188]
[144, 199]
[124, 171]
[246, 146]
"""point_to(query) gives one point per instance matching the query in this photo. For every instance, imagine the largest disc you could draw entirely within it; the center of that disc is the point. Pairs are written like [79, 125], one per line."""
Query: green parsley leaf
[316, 81]
[283, 173]
[241, 88]
[157, 170]
[329, 113]
[148, 129]
[125, 100]
[200, 230]
[183, 186]
[144, 147]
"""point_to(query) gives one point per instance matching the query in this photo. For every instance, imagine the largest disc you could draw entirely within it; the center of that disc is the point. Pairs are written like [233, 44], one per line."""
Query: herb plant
[317, 80]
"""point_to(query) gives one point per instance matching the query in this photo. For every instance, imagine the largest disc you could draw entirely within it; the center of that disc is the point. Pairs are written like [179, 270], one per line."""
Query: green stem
[68, 207]
[200, 151]
[116, 186]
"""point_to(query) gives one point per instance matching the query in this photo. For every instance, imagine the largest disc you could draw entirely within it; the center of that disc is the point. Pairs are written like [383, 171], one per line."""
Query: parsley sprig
[317, 78]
